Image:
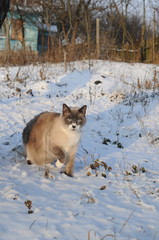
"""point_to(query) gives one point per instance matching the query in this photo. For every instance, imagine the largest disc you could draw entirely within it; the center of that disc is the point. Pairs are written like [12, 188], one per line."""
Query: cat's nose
[73, 126]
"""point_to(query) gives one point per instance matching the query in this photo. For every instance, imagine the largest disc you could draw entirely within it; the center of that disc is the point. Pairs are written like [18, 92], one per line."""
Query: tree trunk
[74, 34]
[7, 39]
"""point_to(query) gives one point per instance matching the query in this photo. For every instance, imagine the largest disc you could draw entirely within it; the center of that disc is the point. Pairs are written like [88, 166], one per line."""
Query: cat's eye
[69, 119]
[79, 121]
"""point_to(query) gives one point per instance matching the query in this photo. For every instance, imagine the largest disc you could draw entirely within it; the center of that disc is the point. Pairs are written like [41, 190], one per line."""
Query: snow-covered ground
[114, 193]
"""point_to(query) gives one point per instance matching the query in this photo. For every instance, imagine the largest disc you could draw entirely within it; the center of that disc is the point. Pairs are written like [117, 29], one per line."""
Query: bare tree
[72, 13]
[74, 18]
[121, 24]
[155, 5]
[4, 8]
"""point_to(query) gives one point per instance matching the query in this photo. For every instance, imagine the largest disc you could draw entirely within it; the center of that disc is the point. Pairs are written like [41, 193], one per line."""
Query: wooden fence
[117, 54]
[149, 53]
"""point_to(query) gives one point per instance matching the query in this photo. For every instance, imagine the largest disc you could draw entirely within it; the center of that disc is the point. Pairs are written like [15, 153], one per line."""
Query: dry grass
[55, 55]
[68, 53]
[20, 57]
[149, 84]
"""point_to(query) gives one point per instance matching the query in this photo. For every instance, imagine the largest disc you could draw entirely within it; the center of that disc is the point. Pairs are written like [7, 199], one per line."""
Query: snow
[118, 201]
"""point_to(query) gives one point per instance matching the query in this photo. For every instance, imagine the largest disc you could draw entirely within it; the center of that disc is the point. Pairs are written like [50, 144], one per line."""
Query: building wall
[30, 36]
[2, 38]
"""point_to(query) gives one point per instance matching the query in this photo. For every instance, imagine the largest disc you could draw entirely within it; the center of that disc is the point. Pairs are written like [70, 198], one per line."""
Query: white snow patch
[122, 131]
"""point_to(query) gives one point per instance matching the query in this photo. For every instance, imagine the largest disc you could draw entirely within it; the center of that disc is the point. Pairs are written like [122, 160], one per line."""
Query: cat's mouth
[74, 129]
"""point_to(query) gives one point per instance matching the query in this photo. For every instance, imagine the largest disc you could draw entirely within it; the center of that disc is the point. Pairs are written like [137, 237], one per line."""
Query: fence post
[153, 44]
[65, 61]
[98, 37]
[143, 41]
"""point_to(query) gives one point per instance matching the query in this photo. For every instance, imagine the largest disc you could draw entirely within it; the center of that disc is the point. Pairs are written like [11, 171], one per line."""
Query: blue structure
[25, 31]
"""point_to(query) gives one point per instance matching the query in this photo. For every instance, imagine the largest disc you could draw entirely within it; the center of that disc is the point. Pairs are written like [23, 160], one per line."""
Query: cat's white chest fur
[72, 139]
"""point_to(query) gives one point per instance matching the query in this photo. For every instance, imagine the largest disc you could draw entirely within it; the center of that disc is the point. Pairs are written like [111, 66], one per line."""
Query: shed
[24, 31]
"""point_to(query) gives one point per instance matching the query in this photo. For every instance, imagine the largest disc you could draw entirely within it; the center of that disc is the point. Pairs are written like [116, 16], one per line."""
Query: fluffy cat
[53, 136]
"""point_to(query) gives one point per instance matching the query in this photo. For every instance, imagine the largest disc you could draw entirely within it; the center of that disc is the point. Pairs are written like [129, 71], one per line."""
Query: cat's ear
[83, 110]
[66, 109]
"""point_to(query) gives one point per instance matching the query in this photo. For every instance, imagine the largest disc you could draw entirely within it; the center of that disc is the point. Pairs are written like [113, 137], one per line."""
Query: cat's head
[74, 118]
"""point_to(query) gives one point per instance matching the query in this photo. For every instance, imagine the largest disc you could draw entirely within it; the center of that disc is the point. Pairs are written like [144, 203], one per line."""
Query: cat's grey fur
[51, 136]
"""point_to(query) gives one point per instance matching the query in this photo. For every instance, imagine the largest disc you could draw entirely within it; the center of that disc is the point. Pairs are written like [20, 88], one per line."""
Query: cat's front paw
[68, 174]
[29, 162]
